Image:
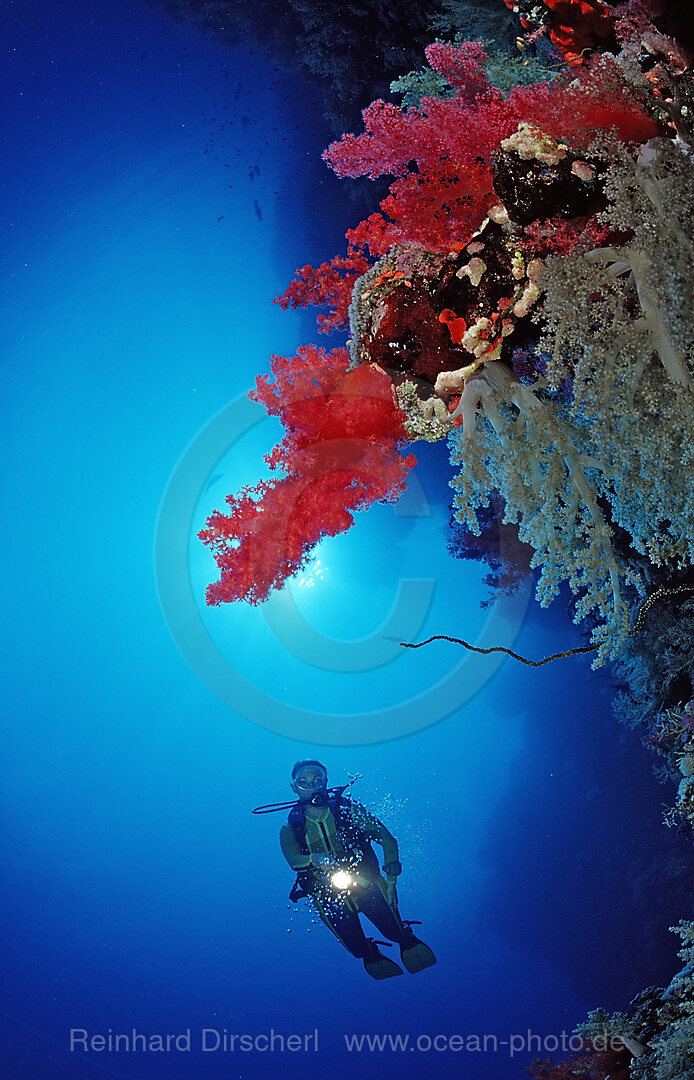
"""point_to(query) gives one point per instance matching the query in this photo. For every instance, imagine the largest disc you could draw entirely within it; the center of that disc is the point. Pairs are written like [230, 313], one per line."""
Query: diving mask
[311, 784]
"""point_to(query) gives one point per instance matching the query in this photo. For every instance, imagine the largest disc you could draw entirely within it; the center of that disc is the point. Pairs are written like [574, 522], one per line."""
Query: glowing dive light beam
[341, 879]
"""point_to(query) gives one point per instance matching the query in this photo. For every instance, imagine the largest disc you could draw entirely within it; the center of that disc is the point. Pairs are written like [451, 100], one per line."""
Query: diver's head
[310, 781]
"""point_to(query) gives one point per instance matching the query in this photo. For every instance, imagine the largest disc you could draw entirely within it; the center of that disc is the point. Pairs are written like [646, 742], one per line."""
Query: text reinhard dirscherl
[207, 1040]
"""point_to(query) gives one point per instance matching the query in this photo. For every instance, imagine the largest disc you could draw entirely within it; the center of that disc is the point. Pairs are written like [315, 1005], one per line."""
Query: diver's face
[310, 781]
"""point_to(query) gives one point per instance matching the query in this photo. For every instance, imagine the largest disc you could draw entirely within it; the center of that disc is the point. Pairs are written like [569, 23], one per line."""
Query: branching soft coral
[514, 442]
[340, 454]
[673, 737]
[620, 326]
[441, 153]
[442, 156]
[328, 285]
[437, 209]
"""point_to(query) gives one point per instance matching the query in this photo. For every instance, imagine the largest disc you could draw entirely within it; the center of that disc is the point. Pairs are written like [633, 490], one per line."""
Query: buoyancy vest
[354, 840]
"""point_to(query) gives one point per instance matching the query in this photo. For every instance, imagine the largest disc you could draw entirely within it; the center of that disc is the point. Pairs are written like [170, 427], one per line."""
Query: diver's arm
[376, 830]
[297, 859]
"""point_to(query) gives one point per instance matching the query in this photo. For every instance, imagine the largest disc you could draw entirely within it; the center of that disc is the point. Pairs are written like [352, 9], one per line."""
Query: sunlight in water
[313, 574]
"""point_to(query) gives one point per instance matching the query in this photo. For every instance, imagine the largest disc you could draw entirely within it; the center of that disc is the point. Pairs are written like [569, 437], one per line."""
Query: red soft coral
[635, 17]
[586, 1064]
[340, 454]
[564, 236]
[328, 285]
[437, 209]
[441, 152]
[463, 67]
[441, 157]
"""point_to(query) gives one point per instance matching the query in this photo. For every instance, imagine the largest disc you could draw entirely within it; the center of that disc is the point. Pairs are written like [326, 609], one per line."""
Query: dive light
[342, 880]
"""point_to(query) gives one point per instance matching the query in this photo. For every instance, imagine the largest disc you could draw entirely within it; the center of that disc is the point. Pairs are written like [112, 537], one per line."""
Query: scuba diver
[327, 840]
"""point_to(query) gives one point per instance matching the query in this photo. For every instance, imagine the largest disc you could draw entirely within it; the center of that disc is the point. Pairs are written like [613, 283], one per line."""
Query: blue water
[158, 192]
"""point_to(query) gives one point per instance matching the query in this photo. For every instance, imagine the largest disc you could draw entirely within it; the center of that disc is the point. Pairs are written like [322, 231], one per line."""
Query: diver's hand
[391, 893]
[321, 860]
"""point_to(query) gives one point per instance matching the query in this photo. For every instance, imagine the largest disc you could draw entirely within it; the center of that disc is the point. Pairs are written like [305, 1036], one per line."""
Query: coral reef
[652, 1040]
[658, 1028]
[672, 735]
[554, 218]
[655, 676]
[567, 465]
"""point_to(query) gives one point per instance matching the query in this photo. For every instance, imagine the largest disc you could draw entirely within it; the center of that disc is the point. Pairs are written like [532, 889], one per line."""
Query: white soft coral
[513, 441]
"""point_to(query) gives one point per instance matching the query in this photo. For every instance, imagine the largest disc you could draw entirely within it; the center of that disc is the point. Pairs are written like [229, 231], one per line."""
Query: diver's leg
[414, 954]
[386, 918]
[342, 918]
